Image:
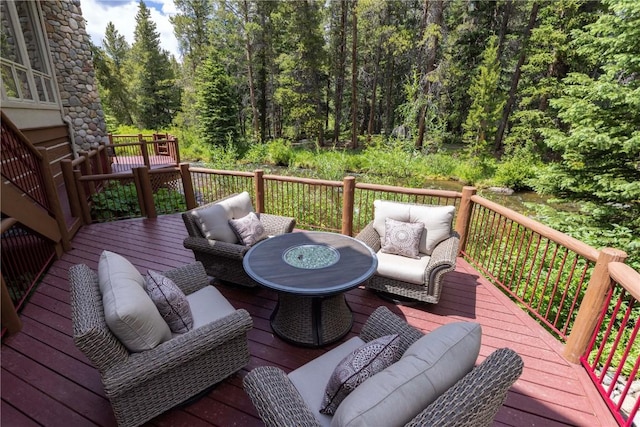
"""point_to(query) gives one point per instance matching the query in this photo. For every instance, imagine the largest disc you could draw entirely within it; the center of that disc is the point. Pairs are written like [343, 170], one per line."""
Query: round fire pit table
[311, 271]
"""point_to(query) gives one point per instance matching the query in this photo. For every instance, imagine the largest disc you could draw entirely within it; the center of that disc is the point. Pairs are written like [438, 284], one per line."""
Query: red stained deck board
[551, 392]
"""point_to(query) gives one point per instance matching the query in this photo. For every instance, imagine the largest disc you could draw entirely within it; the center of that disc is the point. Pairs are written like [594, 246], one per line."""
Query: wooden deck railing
[129, 151]
[613, 355]
[559, 280]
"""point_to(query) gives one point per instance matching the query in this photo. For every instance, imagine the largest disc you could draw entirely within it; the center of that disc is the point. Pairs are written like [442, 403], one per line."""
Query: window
[25, 69]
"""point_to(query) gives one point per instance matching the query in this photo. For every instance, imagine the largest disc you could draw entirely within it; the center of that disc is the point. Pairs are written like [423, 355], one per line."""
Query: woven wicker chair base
[397, 289]
[311, 321]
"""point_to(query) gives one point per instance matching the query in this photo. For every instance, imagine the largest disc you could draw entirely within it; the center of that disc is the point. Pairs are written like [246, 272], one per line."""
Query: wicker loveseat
[223, 259]
[473, 400]
[418, 279]
[142, 385]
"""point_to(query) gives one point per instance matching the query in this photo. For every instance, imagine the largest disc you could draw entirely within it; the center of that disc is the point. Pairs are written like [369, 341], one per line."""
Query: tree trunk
[431, 46]
[249, 51]
[372, 108]
[354, 78]
[506, 111]
[339, 71]
[504, 26]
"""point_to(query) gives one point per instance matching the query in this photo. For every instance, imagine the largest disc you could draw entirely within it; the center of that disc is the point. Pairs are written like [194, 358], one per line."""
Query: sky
[122, 13]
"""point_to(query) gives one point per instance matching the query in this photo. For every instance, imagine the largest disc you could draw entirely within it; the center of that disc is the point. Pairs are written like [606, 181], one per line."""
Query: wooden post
[592, 305]
[66, 166]
[147, 192]
[82, 197]
[464, 216]
[10, 318]
[54, 200]
[258, 183]
[145, 153]
[187, 185]
[85, 168]
[100, 159]
[348, 194]
[176, 150]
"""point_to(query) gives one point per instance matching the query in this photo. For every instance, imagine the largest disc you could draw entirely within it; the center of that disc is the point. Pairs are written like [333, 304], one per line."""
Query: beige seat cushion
[311, 379]
[208, 305]
[436, 219]
[428, 368]
[128, 310]
[214, 219]
[402, 268]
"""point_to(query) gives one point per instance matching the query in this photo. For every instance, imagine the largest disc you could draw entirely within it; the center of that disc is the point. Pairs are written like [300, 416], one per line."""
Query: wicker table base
[311, 321]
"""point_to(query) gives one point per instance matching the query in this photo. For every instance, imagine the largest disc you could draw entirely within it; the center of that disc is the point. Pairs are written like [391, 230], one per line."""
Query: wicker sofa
[391, 278]
[142, 385]
[223, 260]
[285, 400]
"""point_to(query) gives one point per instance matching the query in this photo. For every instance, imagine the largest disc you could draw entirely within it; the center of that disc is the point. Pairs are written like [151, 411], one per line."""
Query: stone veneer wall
[71, 54]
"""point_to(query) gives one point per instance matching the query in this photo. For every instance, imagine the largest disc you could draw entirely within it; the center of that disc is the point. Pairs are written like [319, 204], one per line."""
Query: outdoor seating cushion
[129, 311]
[248, 229]
[170, 301]
[403, 268]
[214, 219]
[359, 365]
[208, 305]
[402, 238]
[436, 219]
[428, 368]
[310, 379]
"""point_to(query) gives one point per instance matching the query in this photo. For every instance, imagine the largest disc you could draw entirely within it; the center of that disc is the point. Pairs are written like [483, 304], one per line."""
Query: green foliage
[599, 143]
[516, 171]
[279, 152]
[217, 103]
[487, 103]
[115, 201]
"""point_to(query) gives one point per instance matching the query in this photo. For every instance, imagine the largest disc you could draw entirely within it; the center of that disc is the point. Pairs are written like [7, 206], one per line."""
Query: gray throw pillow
[170, 301]
[402, 238]
[248, 229]
[362, 363]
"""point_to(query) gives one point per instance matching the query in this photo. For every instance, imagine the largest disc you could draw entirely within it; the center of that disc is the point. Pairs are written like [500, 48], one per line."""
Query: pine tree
[156, 95]
[599, 141]
[217, 103]
[487, 102]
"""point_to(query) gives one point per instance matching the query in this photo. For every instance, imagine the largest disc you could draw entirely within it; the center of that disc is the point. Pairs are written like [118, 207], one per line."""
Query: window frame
[31, 73]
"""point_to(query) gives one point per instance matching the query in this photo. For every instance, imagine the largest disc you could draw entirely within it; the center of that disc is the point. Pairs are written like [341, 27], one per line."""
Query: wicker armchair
[142, 385]
[223, 260]
[441, 261]
[472, 401]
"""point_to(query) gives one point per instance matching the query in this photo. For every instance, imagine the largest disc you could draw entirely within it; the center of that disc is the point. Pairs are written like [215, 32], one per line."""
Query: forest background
[540, 95]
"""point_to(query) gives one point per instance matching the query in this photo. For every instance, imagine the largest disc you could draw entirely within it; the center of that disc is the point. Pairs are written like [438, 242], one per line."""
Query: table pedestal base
[311, 321]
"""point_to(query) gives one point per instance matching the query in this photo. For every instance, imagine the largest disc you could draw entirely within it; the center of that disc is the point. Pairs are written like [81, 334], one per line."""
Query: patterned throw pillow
[362, 363]
[402, 238]
[170, 301]
[249, 229]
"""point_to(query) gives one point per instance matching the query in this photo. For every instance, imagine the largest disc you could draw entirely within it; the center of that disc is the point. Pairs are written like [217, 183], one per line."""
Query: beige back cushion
[428, 368]
[436, 219]
[214, 219]
[128, 310]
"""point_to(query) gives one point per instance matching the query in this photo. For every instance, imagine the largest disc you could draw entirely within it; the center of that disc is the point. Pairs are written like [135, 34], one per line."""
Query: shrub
[516, 172]
[279, 152]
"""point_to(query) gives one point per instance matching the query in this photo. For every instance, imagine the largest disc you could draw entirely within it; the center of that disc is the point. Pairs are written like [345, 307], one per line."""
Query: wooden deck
[46, 381]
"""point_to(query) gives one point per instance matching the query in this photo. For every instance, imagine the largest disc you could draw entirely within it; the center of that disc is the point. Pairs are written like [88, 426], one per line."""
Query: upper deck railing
[557, 279]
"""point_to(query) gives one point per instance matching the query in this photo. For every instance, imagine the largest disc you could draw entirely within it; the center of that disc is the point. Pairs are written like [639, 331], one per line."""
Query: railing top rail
[405, 190]
[220, 172]
[575, 245]
[311, 181]
[7, 223]
[160, 171]
[103, 177]
[627, 277]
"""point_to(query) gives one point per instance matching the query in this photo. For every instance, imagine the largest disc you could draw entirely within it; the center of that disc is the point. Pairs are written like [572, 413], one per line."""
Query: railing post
[145, 152]
[592, 305]
[54, 200]
[66, 165]
[82, 197]
[176, 150]
[85, 168]
[464, 216]
[258, 183]
[348, 194]
[187, 186]
[9, 316]
[147, 191]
